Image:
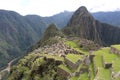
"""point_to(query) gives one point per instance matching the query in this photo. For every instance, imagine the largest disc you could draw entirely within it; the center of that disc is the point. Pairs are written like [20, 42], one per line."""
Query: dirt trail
[7, 68]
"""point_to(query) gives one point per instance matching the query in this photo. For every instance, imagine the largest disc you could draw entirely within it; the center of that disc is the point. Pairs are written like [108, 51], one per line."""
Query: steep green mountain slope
[68, 59]
[101, 65]
[83, 24]
[17, 33]
[48, 62]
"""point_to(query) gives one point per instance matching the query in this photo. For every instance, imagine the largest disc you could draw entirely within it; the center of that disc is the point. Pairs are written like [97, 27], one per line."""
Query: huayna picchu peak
[76, 52]
[83, 24]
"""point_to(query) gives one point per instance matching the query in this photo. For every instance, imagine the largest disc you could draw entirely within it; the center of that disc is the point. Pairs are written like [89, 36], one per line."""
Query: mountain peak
[84, 25]
[81, 15]
[82, 9]
[51, 32]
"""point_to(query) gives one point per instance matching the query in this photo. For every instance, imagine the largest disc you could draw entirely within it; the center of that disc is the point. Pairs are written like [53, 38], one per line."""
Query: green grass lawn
[98, 61]
[116, 65]
[73, 57]
[62, 66]
[103, 74]
[71, 44]
[116, 46]
[75, 46]
[74, 78]
[83, 76]
[107, 56]
[91, 68]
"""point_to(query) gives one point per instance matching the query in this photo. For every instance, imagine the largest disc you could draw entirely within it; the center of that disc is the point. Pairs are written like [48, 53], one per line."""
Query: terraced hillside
[69, 59]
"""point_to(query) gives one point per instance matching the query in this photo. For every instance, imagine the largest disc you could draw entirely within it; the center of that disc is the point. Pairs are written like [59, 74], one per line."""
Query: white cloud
[50, 7]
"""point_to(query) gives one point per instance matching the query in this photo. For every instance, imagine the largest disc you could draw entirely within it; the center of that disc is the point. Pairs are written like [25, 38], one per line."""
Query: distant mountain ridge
[112, 18]
[60, 19]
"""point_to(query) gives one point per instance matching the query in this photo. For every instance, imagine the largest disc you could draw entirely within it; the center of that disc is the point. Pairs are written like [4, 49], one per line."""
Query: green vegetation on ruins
[66, 58]
[65, 68]
[75, 46]
[73, 57]
[45, 66]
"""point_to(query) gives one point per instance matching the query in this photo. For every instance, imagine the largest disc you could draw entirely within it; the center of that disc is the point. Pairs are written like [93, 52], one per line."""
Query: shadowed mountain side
[83, 24]
[17, 33]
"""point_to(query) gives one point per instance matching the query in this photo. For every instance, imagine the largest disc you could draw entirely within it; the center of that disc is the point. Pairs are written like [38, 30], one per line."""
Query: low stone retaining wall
[106, 65]
[62, 72]
[71, 64]
[81, 71]
[114, 50]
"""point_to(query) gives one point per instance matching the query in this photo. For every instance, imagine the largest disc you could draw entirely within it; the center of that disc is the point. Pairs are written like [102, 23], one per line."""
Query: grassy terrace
[73, 57]
[75, 78]
[65, 68]
[107, 56]
[116, 65]
[98, 61]
[74, 45]
[116, 46]
[80, 66]
[91, 68]
[103, 74]
[83, 76]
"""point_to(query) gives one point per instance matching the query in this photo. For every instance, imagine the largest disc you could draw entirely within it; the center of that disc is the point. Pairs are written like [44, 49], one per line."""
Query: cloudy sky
[51, 7]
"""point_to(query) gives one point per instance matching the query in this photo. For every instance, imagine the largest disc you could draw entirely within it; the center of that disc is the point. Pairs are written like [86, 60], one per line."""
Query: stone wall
[87, 60]
[114, 50]
[71, 64]
[91, 56]
[106, 65]
[63, 73]
[81, 71]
